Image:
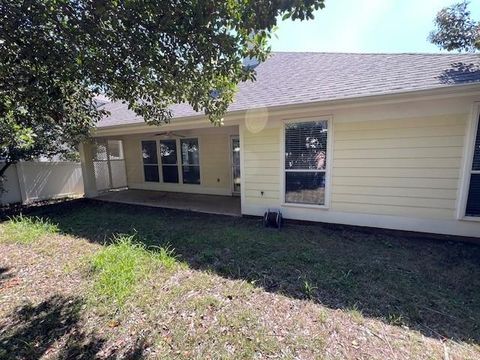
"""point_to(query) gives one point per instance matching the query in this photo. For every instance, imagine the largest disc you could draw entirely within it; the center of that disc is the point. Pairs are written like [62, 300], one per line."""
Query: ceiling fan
[170, 134]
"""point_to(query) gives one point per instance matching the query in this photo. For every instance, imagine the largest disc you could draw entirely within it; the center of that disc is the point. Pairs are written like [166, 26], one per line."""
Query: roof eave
[231, 117]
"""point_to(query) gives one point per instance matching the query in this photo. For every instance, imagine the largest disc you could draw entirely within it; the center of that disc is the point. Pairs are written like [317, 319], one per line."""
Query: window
[168, 152]
[473, 198]
[150, 161]
[115, 149]
[190, 161]
[100, 151]
[116, 160]
[305, 162]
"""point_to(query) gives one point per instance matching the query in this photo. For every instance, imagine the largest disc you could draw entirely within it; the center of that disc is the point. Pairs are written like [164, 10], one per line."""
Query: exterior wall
[215, 164]
[403, 167]
[396, 161]
[133, 160]
[261, 157]
[32, 181]
[391, 165]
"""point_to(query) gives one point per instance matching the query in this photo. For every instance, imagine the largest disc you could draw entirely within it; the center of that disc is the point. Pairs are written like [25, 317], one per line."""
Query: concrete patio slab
[211, 204]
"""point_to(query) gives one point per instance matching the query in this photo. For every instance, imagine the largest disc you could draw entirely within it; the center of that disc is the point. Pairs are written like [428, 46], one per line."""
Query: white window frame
[182, 164]
[467, 171]
[157, 164]
[328, 159]
[230, 148]
[161, 164]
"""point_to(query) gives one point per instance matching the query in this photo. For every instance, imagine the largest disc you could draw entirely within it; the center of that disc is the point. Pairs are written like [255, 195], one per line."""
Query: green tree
[56, 55]
[455, 29]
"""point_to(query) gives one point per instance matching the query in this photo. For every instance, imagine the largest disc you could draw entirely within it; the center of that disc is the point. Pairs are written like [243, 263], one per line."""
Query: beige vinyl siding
[404, 167]
[398, 143]
[133, 160]
[407, 183]
[438, 151]
[215, 160]
[262, 166]
[400, 167]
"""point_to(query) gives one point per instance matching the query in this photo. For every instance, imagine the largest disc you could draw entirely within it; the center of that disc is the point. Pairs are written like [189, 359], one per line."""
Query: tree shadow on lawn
[401, 278]
[5, 274]
[54, 326]
[7, 278]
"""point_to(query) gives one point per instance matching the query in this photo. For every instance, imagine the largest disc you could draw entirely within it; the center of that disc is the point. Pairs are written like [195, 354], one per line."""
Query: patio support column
[88, 170]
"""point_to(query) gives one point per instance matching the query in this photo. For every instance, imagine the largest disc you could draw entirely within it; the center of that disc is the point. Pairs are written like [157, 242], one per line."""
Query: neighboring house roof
[297, 78]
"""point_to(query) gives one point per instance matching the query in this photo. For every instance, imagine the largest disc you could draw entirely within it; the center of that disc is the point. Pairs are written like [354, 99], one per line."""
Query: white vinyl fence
[31, 181]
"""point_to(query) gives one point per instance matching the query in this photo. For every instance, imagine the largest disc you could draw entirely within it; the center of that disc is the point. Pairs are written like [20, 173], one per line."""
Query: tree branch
[4, 168]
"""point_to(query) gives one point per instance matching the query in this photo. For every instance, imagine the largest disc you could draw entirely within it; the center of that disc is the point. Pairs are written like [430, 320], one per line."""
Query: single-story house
[379, 140]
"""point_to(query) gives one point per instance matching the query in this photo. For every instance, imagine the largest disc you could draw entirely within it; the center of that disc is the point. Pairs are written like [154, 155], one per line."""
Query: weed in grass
[308, 289]
[120, 266]
[394, 319]
[322, 316]
[356, 315]
[25, 230]
[165, 256]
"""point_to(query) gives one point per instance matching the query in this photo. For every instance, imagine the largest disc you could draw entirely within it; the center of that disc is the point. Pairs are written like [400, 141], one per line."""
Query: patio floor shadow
[211, 204]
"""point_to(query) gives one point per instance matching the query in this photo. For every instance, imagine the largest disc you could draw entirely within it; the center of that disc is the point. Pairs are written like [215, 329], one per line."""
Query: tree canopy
[56, 55]
[455, 29]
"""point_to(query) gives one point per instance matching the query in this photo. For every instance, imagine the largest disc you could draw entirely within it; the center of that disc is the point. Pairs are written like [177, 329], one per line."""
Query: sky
[388, 26]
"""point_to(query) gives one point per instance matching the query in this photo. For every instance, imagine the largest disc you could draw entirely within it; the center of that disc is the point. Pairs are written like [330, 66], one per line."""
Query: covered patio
[212, 204]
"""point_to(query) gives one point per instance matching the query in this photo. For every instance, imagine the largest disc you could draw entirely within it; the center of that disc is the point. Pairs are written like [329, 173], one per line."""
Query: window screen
[168, 152]
[100, 152]
[473, 199]
[115, 150]
[305, 162]
[150, 161]
[190, 161]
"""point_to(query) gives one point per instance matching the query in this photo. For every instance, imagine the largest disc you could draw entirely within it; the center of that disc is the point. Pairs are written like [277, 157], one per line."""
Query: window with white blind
[190, 161]
[473, 196]
[150, 161]
[306, 162]
[168, 153]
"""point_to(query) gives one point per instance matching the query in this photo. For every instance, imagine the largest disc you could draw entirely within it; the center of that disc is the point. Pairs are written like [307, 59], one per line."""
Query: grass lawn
[84, 279]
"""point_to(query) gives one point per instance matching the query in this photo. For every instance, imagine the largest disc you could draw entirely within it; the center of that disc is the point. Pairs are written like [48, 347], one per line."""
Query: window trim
[230, 159]
[182, 165]
[179, 161]
[328, 159]
[157, 164]
[466, 169]
[161, 164]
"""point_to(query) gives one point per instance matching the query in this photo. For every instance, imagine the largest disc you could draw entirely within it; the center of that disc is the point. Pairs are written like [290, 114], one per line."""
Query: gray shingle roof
[295, 78]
